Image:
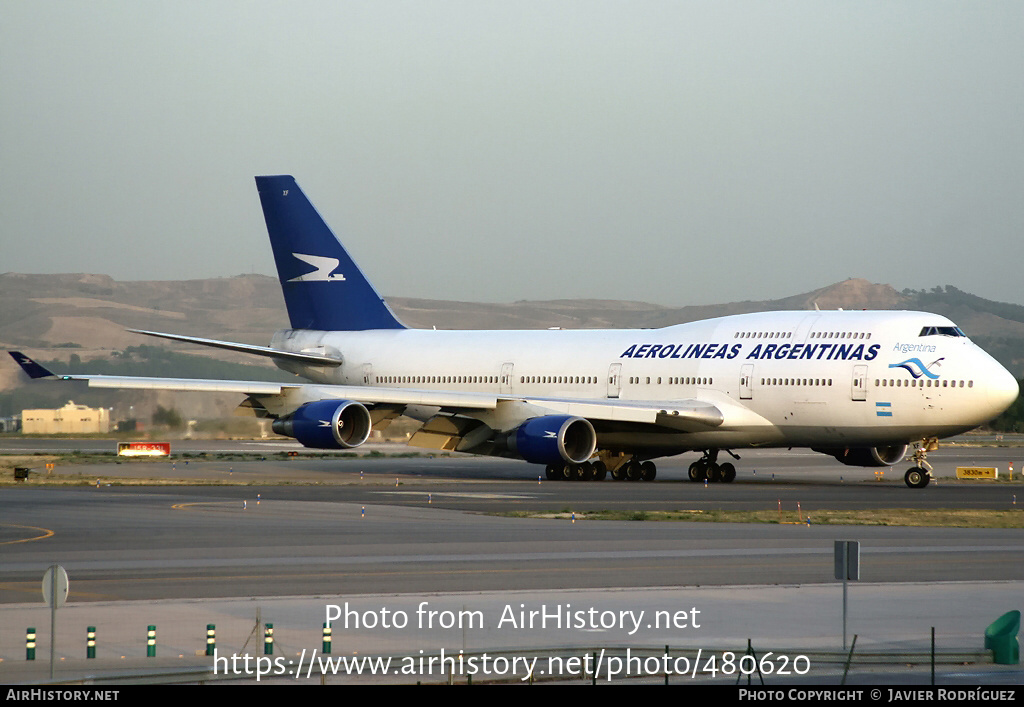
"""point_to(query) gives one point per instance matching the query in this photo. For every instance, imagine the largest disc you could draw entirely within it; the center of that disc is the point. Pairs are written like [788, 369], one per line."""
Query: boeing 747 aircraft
[859, 386]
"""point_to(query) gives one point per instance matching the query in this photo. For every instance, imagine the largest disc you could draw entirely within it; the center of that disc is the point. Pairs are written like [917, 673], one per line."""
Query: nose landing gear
[918, 476]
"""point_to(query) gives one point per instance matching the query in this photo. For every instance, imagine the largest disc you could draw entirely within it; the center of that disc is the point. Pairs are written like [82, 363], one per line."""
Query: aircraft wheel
[568, 472]
[714, 473]
[648, 471]
[728, 472]
[552, 472]
[619, 474]
[585, 472]
[633, 471]
[600, 471]
[916, 477]
[697, 471]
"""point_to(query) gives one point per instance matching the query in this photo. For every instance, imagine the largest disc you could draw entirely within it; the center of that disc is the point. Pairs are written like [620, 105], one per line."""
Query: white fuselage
[782, 378]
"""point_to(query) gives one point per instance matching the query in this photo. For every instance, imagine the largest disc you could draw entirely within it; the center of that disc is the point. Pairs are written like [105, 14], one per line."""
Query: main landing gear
[631, 470]
[635, 470]
[707, 467]
[917, 477]
[587, 471]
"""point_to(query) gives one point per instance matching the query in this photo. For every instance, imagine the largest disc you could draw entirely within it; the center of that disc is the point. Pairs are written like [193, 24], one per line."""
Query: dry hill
[56, 316]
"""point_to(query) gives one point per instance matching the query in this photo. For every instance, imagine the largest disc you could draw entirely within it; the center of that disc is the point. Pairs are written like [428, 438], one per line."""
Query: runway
[418, 527]
[382, 524]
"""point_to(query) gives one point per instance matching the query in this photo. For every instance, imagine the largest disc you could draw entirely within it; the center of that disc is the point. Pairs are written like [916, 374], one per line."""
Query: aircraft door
[506, 378]
[860, 383]
[614, 380]
[747, 381]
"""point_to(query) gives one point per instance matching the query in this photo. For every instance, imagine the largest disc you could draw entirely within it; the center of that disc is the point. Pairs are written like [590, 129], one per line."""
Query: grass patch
[936, 518]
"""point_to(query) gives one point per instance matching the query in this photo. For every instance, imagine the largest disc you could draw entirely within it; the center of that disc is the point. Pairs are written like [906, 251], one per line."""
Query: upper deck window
[941, 331]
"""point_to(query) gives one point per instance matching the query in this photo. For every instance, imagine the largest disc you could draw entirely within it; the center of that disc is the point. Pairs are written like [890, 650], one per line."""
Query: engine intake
[327, 424]
[554, 439]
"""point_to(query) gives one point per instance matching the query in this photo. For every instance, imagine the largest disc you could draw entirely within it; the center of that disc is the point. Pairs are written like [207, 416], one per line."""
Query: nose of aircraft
[1002, 389]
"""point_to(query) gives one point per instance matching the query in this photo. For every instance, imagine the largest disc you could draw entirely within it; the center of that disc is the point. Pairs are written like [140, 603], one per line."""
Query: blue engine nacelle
[554, 439]
[327, 424]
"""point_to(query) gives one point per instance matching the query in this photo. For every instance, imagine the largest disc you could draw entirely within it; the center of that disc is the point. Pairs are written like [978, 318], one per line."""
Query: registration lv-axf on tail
[859, 386]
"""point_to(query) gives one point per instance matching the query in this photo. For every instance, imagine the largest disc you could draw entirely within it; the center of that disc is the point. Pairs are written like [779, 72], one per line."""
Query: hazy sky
[673, 152]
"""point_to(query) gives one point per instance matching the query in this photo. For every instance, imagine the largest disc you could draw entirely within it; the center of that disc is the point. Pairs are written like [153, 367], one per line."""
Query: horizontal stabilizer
[297, 357]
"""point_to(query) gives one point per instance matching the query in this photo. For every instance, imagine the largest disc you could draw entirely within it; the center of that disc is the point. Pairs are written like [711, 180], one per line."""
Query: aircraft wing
[39, 372]
[281, 398]
[681, 415]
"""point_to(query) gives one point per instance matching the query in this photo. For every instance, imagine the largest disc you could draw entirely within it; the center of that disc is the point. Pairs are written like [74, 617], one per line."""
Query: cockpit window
[941, 331]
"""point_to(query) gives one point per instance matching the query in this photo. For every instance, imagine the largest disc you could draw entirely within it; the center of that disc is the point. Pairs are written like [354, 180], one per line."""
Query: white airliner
[859, 386]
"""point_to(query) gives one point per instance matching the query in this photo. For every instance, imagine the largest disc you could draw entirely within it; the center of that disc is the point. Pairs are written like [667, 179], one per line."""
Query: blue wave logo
[915, 368]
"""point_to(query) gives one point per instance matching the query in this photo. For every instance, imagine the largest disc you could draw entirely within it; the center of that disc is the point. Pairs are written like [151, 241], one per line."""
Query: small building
[10, 424]
[70, 419]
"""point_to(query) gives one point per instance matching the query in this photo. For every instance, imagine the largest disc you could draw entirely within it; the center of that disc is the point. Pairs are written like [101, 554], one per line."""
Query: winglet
[33, 369]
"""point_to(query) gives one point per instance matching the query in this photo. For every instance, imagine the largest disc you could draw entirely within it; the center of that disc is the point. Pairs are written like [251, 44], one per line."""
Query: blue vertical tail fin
[323, 287]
